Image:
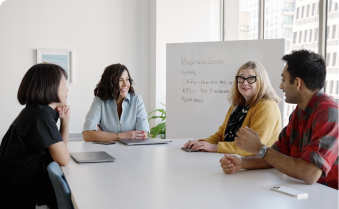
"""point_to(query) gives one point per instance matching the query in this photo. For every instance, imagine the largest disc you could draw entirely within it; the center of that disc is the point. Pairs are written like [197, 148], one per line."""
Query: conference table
[164, 176]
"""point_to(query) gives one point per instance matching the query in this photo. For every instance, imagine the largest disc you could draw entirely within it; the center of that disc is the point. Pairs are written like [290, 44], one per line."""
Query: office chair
[61, 189]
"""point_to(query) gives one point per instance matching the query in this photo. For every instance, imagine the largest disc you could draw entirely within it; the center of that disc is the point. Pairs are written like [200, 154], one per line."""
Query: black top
[24, 157]
[235, 122]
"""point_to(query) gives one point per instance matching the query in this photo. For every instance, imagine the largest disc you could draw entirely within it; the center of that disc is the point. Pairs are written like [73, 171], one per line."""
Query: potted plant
[161, 127]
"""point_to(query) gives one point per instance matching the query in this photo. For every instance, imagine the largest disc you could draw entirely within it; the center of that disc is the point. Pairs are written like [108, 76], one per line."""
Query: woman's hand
[201, 145]
[133, 135]
[64, 112]
[189, 144]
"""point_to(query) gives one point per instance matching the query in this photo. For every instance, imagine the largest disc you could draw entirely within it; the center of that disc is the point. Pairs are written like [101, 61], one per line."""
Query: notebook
[92, 157]
[148, 141]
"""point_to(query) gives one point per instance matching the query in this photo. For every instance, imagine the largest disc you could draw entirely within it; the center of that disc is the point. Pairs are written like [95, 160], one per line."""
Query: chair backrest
[61, 189]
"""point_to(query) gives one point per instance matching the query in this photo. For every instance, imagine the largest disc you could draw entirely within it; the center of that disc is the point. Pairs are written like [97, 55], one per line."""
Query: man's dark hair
[108, 86]
[308, 66]
[40, 84]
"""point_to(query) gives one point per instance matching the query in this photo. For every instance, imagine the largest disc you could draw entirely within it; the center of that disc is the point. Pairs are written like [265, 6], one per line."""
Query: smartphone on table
[104, 143]
[189, 150]
[290, 191]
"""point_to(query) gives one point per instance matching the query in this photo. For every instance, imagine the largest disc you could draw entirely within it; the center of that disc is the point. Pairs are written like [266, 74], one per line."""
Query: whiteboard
[199, 76]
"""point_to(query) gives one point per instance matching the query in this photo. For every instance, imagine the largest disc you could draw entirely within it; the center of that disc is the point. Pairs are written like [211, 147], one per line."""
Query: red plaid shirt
[312, 134]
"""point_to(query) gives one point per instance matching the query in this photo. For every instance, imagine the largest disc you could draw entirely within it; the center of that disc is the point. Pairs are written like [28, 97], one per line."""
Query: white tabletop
[163, 176]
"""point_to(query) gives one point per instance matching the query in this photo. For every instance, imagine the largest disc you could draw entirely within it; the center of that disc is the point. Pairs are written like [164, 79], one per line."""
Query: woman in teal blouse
[116, 111]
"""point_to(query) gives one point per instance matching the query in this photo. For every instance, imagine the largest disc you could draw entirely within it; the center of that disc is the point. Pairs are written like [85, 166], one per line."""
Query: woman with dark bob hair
[116, 111]
[33, 139]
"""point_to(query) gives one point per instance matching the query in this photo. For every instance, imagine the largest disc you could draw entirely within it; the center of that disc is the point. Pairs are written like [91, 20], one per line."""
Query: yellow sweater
[264, 118]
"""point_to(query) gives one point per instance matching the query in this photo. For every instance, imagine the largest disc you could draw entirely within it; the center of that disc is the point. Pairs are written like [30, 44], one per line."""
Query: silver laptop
[143, 141]
[92, 157]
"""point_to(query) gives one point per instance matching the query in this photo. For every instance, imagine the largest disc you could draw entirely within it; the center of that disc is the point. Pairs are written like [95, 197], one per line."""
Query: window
[267, 10]
[332, 49]
[245, 25]
[287, 46]
[330, 6]
[287, 32]
[294, 37]
[288, 20]
[334, 59]
[266, 23]
[288, 7]
[331, 87]
[278, 23]
[303, 34]
[334, 27]
[302, 12]
[310, 36]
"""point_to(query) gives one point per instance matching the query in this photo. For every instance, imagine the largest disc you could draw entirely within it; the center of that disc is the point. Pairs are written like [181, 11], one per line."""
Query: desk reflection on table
[164, 176]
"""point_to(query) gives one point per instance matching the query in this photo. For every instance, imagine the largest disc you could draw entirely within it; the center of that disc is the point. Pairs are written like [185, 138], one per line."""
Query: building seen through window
[296, 21]
[332, 49]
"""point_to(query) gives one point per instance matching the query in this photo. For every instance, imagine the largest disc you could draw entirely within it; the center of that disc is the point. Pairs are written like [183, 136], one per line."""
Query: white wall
[100, 33]
[180, 21]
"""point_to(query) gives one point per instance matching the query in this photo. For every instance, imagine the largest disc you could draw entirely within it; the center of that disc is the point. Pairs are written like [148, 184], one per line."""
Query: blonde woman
[254, 104]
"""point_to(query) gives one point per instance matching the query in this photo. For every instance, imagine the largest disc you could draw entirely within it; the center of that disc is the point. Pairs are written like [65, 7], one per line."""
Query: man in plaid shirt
[307, 148]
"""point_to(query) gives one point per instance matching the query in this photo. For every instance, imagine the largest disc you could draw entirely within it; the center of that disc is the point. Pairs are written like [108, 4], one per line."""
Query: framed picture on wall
[61, 57]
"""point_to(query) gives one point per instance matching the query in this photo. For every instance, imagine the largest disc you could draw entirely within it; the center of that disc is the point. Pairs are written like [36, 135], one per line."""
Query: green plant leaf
[158, 128]
[161, 127]
[151, 112]
[154, 117]
[157, 110]
[161, 110]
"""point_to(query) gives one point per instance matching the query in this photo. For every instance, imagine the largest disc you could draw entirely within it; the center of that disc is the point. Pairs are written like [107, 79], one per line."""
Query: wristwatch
[262, 151]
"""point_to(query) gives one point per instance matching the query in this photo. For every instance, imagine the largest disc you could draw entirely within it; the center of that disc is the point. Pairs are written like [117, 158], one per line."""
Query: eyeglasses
[249, 80]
